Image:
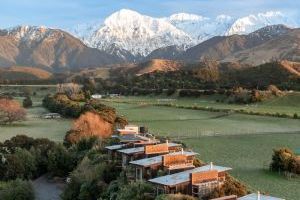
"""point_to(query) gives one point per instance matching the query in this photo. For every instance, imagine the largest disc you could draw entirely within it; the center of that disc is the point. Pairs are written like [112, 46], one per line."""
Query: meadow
[288, 104]
[243, 142]
[34, 125]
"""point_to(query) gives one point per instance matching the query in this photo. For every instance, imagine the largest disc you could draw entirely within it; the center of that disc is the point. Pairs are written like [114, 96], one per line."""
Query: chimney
[167, 141]
[181, 151]
[258, 195]
[211, 166]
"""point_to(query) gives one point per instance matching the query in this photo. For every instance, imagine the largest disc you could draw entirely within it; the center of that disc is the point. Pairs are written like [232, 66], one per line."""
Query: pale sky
[67, 13]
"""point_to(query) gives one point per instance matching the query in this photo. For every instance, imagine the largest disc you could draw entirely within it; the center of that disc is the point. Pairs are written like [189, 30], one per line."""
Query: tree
[17, 190]
[27, 102]
[11, 111]
[87, 125]
[135, 191]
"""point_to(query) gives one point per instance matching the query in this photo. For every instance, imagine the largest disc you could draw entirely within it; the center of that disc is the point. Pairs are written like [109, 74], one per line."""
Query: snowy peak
[141, 34]
[252, 23]
[137, 33]
[186, 17]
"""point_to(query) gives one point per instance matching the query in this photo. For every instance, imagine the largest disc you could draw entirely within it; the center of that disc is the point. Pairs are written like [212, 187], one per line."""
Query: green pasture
[243, 142]
[288, 104]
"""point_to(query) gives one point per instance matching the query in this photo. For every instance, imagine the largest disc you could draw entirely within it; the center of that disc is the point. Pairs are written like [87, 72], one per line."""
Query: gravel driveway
[47, 190]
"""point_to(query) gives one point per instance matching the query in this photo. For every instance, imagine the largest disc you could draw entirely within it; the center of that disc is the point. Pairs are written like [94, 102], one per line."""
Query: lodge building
[197, 182]
[146, 156]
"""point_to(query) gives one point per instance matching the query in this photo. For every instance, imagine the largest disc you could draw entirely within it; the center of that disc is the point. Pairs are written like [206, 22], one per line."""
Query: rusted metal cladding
[200, 177]
[170, 160]
[156, 149]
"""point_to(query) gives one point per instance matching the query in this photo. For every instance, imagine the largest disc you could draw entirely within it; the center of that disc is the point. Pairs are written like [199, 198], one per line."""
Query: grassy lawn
[249, 156]
[183, 122]
[288, 104]
[243, 142]
[34, 126]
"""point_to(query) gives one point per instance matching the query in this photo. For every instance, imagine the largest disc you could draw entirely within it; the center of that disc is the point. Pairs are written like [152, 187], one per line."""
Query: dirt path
[47, 190]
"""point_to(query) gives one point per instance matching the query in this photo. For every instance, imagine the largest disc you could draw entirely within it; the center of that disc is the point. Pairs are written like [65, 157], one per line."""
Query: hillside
[284, 47]
[51, 49]
[24, 73]
[220, 47]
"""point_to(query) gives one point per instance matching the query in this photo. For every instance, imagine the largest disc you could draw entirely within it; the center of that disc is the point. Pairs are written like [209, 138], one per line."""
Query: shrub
[230, 187]
[175, 197]
[17, 190]
[135, 191]
[27, 102]
[60, 161]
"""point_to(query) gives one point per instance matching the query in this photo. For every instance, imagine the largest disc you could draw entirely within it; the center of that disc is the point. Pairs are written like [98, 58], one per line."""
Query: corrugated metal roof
[158, 159]
[253, 196]
[141, 149]
[182, 177]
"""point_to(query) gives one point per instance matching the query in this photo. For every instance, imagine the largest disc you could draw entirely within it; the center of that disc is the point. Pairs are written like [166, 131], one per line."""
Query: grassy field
[175, 122]
[288, 104]
[35, 126]
[243, 142]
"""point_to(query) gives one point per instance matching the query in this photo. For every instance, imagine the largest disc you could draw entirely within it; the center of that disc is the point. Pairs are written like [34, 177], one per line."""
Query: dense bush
[17, 190]
[26, 158]
[27, 102]
[230, 187]
[175, 197]
[60, 103]
[135, 191]
[284, 160]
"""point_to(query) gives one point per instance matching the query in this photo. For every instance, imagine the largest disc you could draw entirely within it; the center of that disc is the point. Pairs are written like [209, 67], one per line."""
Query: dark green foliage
[174, 197]
[17, 190]
[61, 104]
[60, 161]
[136, 191]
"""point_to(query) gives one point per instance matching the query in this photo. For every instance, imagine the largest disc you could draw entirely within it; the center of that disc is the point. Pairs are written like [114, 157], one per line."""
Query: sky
[68, 13]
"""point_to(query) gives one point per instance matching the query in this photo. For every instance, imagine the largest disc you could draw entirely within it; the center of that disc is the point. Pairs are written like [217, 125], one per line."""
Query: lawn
[243, 142]
[288, 104]
[35, 126]
[249, 156]
[176, 122]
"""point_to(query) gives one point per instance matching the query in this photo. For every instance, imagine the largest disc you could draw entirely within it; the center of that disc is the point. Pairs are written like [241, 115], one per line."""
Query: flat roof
[141, 149]
[253, 196]
[182, 177]
[158, 159]
[115, 147]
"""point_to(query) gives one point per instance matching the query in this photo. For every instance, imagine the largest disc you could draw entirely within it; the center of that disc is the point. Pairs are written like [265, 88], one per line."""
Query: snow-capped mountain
[252, 23]
[200, 28]
[137, 33]
[140, 34]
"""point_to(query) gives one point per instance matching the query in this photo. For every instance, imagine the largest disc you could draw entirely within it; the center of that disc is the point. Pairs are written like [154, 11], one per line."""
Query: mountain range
[127, 36]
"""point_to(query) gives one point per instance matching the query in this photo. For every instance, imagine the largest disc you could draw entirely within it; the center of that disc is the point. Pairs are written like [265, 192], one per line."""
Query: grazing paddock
[288, 104]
